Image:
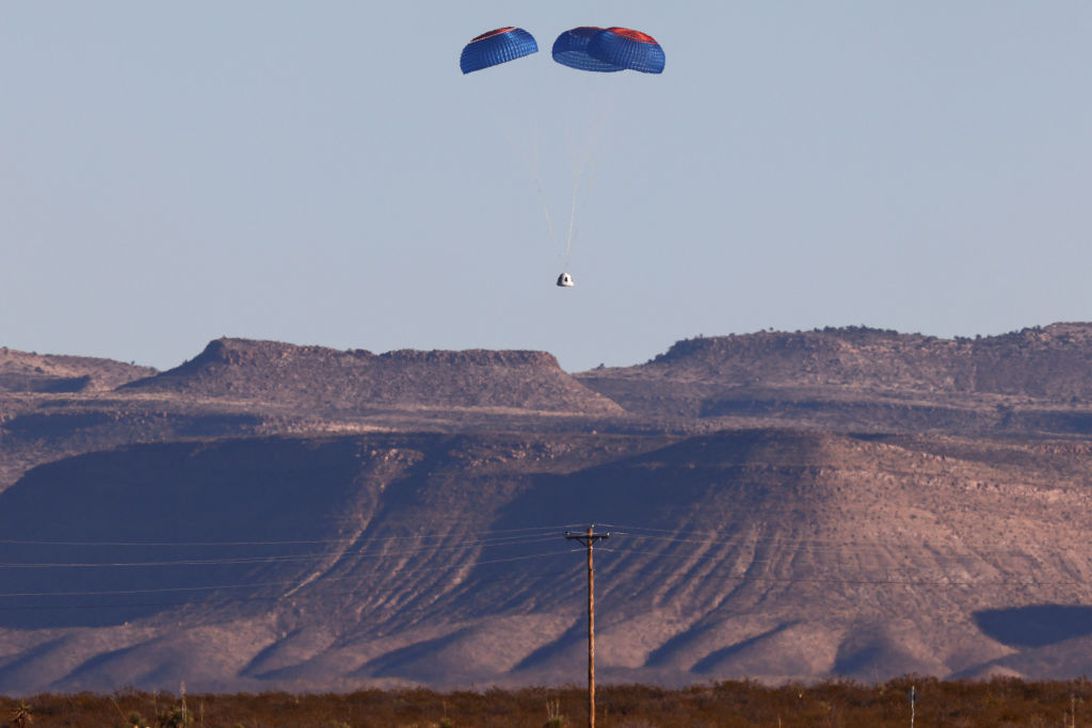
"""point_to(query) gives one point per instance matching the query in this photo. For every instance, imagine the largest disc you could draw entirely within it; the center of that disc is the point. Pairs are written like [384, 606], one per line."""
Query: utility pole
[588, 538]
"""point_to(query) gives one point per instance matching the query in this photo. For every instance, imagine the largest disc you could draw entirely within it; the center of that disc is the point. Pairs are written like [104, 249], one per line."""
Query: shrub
[554, 718]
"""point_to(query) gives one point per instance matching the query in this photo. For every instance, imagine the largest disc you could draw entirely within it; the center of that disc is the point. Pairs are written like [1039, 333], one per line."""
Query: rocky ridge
[327, 380]
[1051, 362]
[959, 383]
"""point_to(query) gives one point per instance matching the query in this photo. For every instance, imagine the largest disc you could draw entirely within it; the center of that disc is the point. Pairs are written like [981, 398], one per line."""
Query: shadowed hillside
[439, 559]
[842, 503]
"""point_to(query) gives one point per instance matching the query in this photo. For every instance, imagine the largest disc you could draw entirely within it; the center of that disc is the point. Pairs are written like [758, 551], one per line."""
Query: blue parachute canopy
[627, 48]
[496, 47]
[571, 49]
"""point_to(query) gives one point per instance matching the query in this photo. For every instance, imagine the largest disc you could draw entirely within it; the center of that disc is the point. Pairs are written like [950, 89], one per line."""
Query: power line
[312, 556]
[843, 580]
[716, 537]
[271, 542]
[258, 585]
[268, 598]
[519, 537]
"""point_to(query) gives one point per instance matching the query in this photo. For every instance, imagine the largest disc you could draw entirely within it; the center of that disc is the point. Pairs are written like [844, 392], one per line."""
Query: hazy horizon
[200, 348]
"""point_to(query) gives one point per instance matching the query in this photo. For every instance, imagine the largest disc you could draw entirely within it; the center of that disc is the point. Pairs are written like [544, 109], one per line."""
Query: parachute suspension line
[572, 214]
[527, 150]
[534, 136]
[536, 174]
[536, 159]
[584, 160]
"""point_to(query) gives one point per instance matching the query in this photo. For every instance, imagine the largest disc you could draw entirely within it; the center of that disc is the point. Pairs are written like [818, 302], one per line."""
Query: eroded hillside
[439, 559]
[783, 506]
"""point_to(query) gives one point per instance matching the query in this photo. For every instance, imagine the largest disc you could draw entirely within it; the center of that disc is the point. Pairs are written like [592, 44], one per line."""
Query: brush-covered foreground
[999, 703]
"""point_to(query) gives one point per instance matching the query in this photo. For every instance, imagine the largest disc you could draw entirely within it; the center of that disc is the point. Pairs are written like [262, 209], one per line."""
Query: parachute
[627, 48]
[588, 48]
[496, 47]
[571, 49]
[584, 48]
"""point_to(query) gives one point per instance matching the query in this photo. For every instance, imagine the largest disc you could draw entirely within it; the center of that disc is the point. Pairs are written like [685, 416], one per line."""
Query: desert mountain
[324, 380]
[1051, 362]
[22, 371]
[860, 378]
[782, 506]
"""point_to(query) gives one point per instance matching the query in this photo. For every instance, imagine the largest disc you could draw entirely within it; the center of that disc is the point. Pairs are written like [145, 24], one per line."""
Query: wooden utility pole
[588, 538]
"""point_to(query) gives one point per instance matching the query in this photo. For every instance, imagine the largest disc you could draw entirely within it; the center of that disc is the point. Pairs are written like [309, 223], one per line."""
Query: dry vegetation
[999, 703]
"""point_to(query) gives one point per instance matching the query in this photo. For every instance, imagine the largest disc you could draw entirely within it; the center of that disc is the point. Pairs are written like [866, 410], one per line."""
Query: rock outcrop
[327, 380]
[874, 378]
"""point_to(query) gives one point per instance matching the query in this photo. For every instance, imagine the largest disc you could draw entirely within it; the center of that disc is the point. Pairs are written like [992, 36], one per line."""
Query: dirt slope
[22, 371]
[438, 559]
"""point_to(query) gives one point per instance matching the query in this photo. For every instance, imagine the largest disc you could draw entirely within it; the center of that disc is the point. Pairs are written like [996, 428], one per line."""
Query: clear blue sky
[322, 173]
